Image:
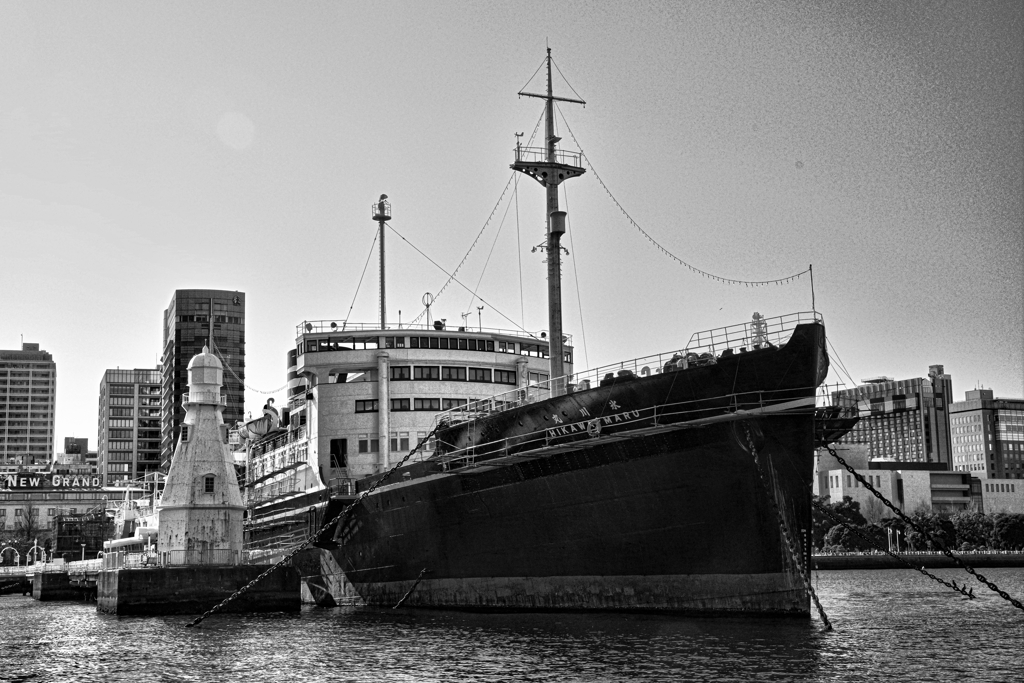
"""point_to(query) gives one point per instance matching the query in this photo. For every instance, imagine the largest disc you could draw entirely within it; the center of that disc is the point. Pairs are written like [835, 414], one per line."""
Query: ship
[676, 482]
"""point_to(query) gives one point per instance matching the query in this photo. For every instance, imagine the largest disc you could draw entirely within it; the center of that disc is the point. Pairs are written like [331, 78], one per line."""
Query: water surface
[890, 625]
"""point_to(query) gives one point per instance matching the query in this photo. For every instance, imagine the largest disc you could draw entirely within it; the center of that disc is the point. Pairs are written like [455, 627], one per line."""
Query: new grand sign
[48, 481]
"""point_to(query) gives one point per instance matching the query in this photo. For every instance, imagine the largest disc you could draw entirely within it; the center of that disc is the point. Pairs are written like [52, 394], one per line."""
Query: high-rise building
[196, 318]
[28, 392]
[129, 425]
[988, 435]
[905, 420]
[76, 446]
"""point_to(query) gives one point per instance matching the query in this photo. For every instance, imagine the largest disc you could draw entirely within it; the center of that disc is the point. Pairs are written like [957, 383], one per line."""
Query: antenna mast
[550, 166]
[382, 214]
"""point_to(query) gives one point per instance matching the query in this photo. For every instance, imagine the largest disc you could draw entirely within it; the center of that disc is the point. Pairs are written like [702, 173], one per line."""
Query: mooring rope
[864, 537]
[790, 544]
[921, 530]
[409, 592]
[338, 518]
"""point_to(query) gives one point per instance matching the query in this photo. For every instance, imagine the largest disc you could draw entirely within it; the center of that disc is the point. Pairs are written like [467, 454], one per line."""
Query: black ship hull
[640, 495]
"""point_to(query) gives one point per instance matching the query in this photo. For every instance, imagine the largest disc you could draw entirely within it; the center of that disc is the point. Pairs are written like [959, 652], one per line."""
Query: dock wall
[54, 586]
[193, 590]
[926, 560]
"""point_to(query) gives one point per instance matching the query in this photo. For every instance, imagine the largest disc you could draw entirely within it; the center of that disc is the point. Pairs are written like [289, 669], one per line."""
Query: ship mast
[550, 166]
[382, 214]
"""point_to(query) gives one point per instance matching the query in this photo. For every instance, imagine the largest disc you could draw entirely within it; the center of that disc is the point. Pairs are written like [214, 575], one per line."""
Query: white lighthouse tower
[201, 509]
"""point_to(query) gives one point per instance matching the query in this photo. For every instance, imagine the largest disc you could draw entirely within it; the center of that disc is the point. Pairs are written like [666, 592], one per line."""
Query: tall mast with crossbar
[549, 167]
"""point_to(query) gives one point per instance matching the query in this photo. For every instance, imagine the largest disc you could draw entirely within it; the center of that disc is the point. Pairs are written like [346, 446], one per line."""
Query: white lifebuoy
[594, 428]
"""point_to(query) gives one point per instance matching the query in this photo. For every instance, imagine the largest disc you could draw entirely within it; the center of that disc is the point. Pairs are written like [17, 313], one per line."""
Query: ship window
[400, 372]
[366, 406]
[339, 453]
[433, 342]
[430, 372]
[505, 376]
[462, 345]
[479, 375]
[184, 432]
[208, 484]
[427, 404]
[538, 377]
[443, 342]
[453, 374]
[449, 403]
[506, 347]
[399, 404]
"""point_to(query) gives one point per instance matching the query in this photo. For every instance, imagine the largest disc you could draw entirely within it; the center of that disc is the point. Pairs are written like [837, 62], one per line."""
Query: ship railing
[394, 329]
[342, 486]
[704, 348]
[539, 155]
[655, 416]
[756, 334]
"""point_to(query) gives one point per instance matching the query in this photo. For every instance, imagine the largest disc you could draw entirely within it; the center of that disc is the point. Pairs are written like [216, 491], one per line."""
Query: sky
[148, 147]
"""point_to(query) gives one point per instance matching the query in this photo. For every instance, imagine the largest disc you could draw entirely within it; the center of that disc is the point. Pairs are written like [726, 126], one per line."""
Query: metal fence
[704, 348]
[219, 557]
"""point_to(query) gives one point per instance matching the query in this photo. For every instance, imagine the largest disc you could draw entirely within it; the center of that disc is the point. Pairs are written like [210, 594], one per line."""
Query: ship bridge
[357, 424]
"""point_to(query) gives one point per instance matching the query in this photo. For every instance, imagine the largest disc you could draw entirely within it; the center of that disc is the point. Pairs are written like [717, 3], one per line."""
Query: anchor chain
[315, 537]
[921, 530]
[864, 537]
[409, 592]
[790, 545]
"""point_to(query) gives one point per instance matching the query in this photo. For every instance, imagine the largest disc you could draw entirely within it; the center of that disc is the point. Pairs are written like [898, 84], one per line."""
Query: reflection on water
[890, 625]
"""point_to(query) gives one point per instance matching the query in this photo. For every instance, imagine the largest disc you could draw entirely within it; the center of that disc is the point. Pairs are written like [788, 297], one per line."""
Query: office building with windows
[28, 393]
[197, 318]
[988, 436]
[129, 425]
[904, 420]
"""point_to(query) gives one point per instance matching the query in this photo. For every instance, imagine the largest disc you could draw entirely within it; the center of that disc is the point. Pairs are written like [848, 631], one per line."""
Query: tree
[868, 537]
[939, 532]
[973, 530]
[875, 510]
[1007, 531]
[28, 530]
[847, 509]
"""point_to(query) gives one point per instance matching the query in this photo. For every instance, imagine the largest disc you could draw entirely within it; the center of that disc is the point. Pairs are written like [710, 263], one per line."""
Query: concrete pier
[193, 590]
[54, 586]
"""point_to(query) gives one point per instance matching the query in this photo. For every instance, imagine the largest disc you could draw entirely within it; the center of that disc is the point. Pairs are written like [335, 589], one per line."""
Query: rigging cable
[217, 352]
[477, 239]
[365, 266]
[452, 278]
[566, 81]
[576, 274]
[535, 74]
[839, 360]
[519, 253]
[483, 271]
[694, 269]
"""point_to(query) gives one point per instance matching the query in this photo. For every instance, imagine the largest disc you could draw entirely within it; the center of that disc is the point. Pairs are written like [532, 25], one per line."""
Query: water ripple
[890, 625]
